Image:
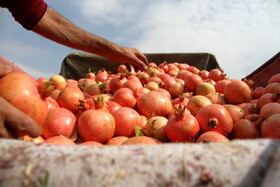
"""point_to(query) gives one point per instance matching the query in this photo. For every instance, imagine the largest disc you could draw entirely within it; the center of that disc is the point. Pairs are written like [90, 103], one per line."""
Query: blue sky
[242, 34]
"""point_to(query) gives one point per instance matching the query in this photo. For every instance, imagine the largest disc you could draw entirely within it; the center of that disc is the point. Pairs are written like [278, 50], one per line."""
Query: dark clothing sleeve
[27, 12]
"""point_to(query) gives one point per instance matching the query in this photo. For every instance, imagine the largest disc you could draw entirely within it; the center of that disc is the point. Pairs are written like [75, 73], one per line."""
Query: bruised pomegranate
[154, 103]
[155, 128]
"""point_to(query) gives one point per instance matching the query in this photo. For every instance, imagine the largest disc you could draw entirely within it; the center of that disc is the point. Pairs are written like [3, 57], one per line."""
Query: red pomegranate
[237, 92]
[182, 127]
[126, 120]
[270, 128]
[215, 117]
[96, 125]
[60, 121]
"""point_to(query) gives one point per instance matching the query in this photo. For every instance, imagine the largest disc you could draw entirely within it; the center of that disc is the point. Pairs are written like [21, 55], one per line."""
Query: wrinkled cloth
[27, 12]
[77, 65]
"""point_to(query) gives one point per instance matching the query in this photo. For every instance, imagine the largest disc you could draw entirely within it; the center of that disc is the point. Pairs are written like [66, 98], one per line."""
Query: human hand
[130, 56]
[12, 119]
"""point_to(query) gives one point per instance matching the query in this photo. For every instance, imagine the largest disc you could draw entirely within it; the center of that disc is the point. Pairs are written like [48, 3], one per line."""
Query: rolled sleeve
[27, 12]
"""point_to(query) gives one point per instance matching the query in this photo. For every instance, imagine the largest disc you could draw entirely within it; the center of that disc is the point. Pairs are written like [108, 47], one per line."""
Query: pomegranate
[116, 82]
[59, 140]
[270, 128]
[133, 84]
[274, 78]
[196, 102]
[211, 136]
[192, 81]
[154, 103]
[52, 104]
[204, 74]
[237, 92]
[117, 140]
[216, 74]
[155, 128]
[236, 112]
[268, 98]
[20, 90]
[272, 88]
[112, 105]
[176, 89]
[205, 88]
[125, 97]
[70, 97]
[244, 129]
[216, 98]
[58, 81]
[215, 117]
[182, 127]
[221, 85]
[101, 75]
[60, 121]
[91, 143]
[257, 92]
[126, 120]
[141, 140]
[268, 110]
[96, 125]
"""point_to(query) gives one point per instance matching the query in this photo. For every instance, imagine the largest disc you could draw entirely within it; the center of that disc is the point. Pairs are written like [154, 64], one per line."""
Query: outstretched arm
[57, 28]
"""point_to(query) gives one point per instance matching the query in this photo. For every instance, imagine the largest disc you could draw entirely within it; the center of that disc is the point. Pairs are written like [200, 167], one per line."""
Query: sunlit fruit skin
[215, 117]
[60, 121]
[59, 81]
[96, 125]
[20, 90]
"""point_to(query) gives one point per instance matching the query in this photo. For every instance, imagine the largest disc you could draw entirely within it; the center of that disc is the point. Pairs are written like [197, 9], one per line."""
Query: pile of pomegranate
[170, 102]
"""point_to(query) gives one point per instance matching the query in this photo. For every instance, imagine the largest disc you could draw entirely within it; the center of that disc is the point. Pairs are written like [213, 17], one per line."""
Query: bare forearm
[57, 28]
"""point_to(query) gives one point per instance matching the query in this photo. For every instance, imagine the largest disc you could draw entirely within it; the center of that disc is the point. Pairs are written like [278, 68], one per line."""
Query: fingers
[5, 69]
[141, 60]
[12, 118]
